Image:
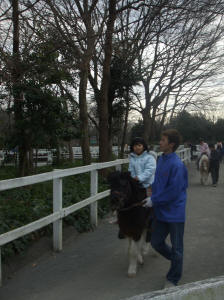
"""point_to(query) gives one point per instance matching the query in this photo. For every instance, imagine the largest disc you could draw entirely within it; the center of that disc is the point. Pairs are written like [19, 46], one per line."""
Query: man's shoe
[168, 284]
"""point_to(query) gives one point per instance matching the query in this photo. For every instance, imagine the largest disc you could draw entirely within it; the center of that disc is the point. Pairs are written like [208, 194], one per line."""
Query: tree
[218, 131]
[121, 44]
[192, 127]
[183, 57]
[80, 38]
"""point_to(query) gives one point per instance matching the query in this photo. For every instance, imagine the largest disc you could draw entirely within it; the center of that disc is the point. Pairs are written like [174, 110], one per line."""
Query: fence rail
[58, 211]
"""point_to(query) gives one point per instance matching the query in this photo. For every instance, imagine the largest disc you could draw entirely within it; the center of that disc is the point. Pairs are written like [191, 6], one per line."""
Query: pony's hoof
[131, 275]
[132, 270]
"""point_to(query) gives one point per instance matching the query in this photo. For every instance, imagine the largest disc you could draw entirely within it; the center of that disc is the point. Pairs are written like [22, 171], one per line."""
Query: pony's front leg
[139, 245]
[134, 257]
[145, 245]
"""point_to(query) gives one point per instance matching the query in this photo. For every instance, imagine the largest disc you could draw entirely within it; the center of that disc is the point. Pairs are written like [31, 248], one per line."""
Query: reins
[130, 207]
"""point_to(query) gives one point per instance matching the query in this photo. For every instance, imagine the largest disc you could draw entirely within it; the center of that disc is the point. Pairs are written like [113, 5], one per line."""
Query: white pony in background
[204, 168]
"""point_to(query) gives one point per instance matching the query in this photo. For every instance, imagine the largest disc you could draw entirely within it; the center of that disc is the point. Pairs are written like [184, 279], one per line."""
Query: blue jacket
[143, 166]
[169, 189]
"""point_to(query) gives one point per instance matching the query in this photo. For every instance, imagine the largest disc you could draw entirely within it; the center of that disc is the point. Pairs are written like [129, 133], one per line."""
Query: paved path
[93, 266]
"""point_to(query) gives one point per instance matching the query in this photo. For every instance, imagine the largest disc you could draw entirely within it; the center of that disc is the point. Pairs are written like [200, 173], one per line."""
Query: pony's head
[125, 191]
[121, 190]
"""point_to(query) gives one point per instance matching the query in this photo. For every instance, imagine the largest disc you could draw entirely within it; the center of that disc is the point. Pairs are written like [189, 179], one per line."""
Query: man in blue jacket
[169, 200]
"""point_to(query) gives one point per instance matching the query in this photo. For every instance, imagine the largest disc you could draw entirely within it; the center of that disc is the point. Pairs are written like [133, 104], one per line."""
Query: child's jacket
[143, 166]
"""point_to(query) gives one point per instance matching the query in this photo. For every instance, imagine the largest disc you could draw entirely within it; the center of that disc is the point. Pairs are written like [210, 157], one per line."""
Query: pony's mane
[115, 178]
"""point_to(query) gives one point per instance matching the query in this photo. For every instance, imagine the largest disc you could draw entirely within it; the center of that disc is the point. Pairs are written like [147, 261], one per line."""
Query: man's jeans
[215, 174]
[160, 231]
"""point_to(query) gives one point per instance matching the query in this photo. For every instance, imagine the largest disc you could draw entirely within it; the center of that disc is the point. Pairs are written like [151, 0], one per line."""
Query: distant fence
[58, 211]
[46, 156]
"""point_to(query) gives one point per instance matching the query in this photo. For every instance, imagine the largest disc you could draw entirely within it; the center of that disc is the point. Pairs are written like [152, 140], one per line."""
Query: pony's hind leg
[145, 245]
[139, 245]
[133, 258]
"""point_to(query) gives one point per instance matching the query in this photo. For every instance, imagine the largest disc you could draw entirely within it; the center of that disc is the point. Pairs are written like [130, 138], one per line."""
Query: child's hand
[149, 191]
[136, 178]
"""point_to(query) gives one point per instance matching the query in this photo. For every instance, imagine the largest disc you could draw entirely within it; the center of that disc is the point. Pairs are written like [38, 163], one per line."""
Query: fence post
[0, 267]
[57, 206]
[94, 191]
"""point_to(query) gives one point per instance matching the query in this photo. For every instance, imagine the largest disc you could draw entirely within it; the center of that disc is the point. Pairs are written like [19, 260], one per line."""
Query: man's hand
[147, 202]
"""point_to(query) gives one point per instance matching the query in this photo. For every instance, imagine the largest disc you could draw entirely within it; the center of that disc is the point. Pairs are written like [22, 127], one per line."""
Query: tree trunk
[103, 101]
[86, 156]
[30, 153]
[164, 115]
[70, 151]
[111, 96]
[17, 92]
[147, 124]
[58, 154]
[123, 142]
[23, 162]
[36, 154]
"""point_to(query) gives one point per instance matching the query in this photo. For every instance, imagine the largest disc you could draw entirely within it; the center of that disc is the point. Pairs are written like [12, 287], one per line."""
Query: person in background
[214, 163]
[203, 149]
[219, 149]
[168, 201]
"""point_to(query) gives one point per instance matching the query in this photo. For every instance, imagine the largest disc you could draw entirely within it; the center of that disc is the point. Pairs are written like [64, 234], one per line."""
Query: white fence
[45, 156]
[58, 211]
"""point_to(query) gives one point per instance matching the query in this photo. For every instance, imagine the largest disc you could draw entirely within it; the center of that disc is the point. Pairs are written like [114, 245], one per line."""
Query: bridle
[138, 204]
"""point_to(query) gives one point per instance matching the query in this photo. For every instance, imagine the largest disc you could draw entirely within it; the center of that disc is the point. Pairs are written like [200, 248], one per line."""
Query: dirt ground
[93, 265]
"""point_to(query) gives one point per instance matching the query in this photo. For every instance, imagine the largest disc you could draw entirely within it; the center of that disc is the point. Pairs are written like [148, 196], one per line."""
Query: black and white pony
[204, 168]
[133, 219]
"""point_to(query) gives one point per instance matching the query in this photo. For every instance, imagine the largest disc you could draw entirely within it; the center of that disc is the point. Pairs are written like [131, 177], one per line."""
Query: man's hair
[173, 136]
[136, 141]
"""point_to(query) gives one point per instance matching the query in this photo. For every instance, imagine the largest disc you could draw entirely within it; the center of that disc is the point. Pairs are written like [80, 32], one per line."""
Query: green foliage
[24, 205]
[218, 130]
[192, 127]
[137, 130]
[43, 120]
[42, 113]
[123, 76]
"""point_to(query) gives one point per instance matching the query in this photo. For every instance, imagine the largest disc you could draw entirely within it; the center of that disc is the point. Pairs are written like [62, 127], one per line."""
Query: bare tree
[75, 23]
[179, 59]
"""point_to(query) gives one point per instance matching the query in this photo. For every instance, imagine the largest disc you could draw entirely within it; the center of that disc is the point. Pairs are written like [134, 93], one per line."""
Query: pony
[204, 168]
[134, 220]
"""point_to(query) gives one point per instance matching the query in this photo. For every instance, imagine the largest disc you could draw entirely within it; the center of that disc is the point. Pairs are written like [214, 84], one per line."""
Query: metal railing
[58, 211]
